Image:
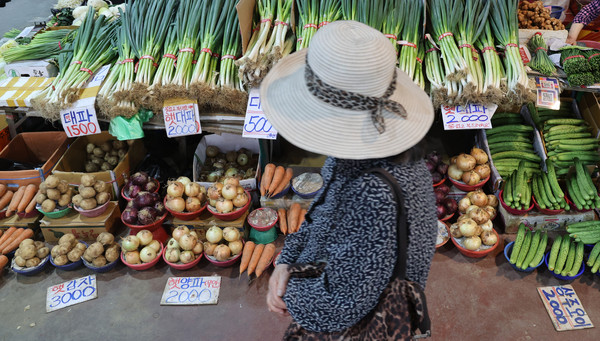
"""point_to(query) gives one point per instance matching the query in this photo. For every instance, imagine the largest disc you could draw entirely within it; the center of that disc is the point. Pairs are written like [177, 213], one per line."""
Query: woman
[586, 15]
[345, 98]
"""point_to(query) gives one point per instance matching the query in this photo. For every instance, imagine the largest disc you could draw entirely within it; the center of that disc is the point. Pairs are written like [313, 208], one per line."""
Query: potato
[48, 205]
[18, 253]
[39, 245]
[99, 261]
[27, 241]
[53, 194]
[91, 167]
[63, 186]
[106, 146]
[28, 251]
[88, 204]
[41, 253]
[105, 238]
[89, 148]
[63, 249]
[97, 160]
[119, 144]
[113, 160]
[87, 255]
[114, 152]
[95, 250]
[98, 152]
[20, 261]
[60, 260]
[102, 198]
[88, 180]
[87, 192]
[76, 199]
[101, 186]
[106, 166]
[81, 246]
[54, 252]
[39, 198]
[33, 262]
[111, 255]
[67, 239]
[43, 188]
[65, 199]
[74, 255]
[121, 153]
[52, 181]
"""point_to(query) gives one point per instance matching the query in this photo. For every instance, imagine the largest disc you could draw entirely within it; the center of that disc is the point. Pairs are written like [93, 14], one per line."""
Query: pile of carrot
[290, 220]
[23, 200]
[11, 239]
[275, 179]
[256, 258]
[3, 261]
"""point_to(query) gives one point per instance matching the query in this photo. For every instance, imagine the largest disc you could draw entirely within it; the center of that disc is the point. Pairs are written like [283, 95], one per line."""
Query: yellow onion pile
[470, 168]
[184, 195]
[475, 223]
[227, 196]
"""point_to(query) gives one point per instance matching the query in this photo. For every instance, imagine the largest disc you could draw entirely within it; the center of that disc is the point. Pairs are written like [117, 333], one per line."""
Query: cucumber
[566, 129]
[510, 128]
[578, 260]
[596, 265]
[548, 189]
[515, 163]
[516, 155]
[507, 194]
[508, 137]
[520, 192]
[563, 121]
[576, 141]
[535, 241]
[585, 186]
[572, 229]
[507, 148]
[585, 223]
[593, 255]
[526, 200]
[570, 156]
[539, 253]
[518, 244]
[524, 249]
[562, 255]
[554, 253]
[542, 191]
[553, 181]
[567, 136]
[570, 259]
[576, 195]
[573, 148]
[513, 185]
[536, 193]
[590, 184]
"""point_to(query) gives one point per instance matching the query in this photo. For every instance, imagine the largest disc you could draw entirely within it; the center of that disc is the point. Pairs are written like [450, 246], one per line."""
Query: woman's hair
[415, 153]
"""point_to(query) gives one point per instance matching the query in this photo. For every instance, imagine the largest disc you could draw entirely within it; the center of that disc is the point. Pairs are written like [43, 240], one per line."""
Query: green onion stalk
[494, 81]
[350, 9]
[419, 78]
[540, 61]
[188, 22]
[476, 12]
[434, 72]
[299, 32]
[166, 68]
[329, 11]
[503, 14]
[445, 15]
[228, 70]
[393, 22]
[411, 36]
[308, 11]
[273, 49]
[44, 45]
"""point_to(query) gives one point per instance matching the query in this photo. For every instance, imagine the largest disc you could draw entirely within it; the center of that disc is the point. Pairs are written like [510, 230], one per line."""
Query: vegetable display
[190, 197]
[437, 168]
[145, 209]
[68, 250]
[140, 248]
[223, 244]
[185, 246]
[587, 232]
[256, 258]
[566, 256]
[540, 61]
[446, 206]
[104, 251]
[227, 196]
[474, 228]
[529, 248]
[533, 15]
[105, 156]
[471, 168]
[593, 259]
[139, 182]
[581, 188]
[54, 194]
[23, 200]
[275, 179]
[30, 253]
[218, 165]
[567, 139]
[46, 44]
[92, 193]
[12, 238]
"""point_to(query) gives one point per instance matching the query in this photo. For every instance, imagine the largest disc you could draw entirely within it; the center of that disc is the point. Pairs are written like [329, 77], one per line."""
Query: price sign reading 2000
[472, 116]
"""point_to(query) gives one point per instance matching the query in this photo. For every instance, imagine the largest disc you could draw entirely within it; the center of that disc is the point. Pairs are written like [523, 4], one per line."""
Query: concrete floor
[22, 13]
[468, 299]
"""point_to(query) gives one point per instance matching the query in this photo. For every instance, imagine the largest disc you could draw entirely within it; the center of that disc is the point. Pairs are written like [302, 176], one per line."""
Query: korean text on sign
[564, 308]
[256, 125]
[182, 119]
[69, 293]
[191, 291]
[472, 116]
[80, 121]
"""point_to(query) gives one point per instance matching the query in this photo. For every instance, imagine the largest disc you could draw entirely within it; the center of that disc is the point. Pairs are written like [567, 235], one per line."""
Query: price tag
[525, 55]
[472, 116]
[191, 291]
[25, 32]
[70, 293]
[181, 117]
[548, 93]
[256, 124]
[564, 308]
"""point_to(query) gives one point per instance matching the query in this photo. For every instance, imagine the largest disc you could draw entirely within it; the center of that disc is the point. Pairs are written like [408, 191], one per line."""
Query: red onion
[150, 186]
[143, 199]
[134, 190]
[147, 215]
[434, 157]
[443, 188]
[436, 177]
[139, 178]
[130, 215]
[430, 166]
[450, 205]
[439, 196]
[441, 211]
[160, 208]
[442, 168]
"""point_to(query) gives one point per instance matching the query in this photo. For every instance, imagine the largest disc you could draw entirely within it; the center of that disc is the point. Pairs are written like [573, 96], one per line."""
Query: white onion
[184, 180]
[492, 200]
[479, 215]
[472, 243]
[491, 211]
[464, 204]
[480, 156]
[489, 238]
[214, 234]
[231, 234]
[192, 189]
[145, 237]
[455, 173]
[465, 162]
[224, 206]
[471, 178]
[487, 226]
[240, 200]
[175, 189]
[229, 192]
[471, 208]
[479, 198]
[176, 204]
[130, 243]
[132, 257]
[187, 242]
[172, 255]
[187, 257]
[235, 247]
[230, 180]
[147, 254]
[155, 244]
[468, 227]
[222, 252]
[173, 244]
[180, 231]
[198, 248]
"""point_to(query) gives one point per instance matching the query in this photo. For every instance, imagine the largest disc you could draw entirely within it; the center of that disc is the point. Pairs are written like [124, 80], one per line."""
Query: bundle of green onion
[494, 81]
[540, 61]
[44, 45]
[412, 30]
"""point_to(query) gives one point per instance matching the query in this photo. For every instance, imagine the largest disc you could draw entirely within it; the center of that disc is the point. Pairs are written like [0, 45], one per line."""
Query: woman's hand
[277, 287]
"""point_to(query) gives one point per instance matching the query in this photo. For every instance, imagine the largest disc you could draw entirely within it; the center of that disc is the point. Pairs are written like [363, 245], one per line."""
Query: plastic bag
[129, 128]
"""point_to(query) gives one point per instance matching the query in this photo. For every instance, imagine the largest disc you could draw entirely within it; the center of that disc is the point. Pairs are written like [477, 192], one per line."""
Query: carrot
[301, 218]
[16, 199]
[265, 259]
[31, 205]
[10, 238]
[255, 258]
[293, 217]
[6, 198]
[282, 220]
[3, 261]
[28, 194]
[277, 178]
[26, 233]
[287, 177]
[246, 255]
[3, 189]
[6, 235]
[266, 178]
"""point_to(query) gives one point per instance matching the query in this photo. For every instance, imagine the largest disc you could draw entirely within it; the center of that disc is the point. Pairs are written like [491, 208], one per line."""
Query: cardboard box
[32, 223]
[72, 165]
[31, 68]
[538, 221]
[526, 34]
[590, 110]
[33, 148]
[206, 220]
[86, 229]
[226, 143]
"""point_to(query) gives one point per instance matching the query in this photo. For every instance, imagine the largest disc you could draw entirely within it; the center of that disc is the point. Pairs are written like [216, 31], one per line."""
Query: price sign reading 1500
[256, 125]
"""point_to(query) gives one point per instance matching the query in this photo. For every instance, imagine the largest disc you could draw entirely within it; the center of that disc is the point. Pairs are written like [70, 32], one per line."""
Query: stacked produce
[446, 206]
[68, 250]
[291, 219]
[102, 8]
[546, 190]
[92, 193]
[141, 248]
[475, 228]
[593, 259]
[240, 163]
[54, 194]
[533, 15]
[227, 196]
[186, 196]
[46, 44]
[223, 244]
[105, 156]
[104, 251]
[566, 256]
[529, 248]
[567, 139]
[577, 66]
[471, 168]
[11, 239]
[518, 187]
[139, 182]
[275, 179]
[541, 115]
[582, 191]
[587, 232]
[185, 246]
[3, 262]
[30, 253]
[540, 61]
[436, 167]
[23, 200]
[257, 258]
[510, 142]
[474, 199]
[145, 209]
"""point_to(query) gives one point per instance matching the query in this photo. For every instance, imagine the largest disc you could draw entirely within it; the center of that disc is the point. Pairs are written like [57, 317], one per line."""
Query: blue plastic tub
[565, 278]
[30, 271]
[508, 250]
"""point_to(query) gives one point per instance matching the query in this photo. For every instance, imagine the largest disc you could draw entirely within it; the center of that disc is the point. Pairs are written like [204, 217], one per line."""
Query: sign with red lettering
[471, 116]
[191, 290]
[72, 292]
[181, 117]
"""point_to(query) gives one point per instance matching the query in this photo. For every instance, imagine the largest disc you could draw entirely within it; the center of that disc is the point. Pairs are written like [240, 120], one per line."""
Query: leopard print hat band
[354, 101]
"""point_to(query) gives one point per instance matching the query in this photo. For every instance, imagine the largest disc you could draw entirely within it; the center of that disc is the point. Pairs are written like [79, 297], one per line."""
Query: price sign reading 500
[256, 125]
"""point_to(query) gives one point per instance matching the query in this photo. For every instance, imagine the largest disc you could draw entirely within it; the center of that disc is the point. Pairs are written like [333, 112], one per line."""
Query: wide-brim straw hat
[354, 57]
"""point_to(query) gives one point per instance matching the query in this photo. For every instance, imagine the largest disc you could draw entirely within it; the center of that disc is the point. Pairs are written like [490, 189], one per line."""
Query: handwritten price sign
[256, 125]
[181, 117]
[191, 291]
[70, 293]
[564, 308]
[472, 116]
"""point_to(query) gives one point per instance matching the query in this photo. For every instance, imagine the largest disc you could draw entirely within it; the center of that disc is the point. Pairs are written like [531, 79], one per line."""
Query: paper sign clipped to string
[472, 116]
[564, 308]
[72, 292]
[256, 124]
[181, 117]
[191, 291]
[548, 93]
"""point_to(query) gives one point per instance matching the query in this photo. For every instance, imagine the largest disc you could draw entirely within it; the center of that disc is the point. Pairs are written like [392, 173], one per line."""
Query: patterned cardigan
[351, 225]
